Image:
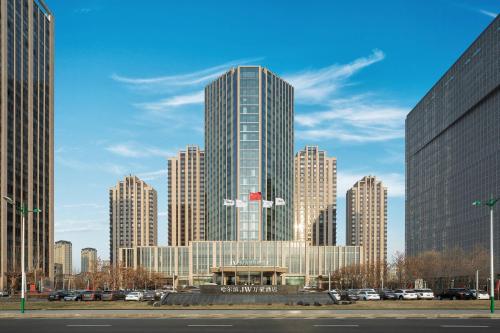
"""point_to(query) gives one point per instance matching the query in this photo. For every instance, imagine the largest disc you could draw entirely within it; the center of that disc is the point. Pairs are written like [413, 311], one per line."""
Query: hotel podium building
[26, 136]
[243, 262]
[249, 148]
[315, 197]
[453, 154]
[133, 215]
[186, 197]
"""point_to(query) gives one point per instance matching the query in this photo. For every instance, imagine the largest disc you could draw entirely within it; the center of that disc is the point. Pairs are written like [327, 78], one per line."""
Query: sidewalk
[249, 314]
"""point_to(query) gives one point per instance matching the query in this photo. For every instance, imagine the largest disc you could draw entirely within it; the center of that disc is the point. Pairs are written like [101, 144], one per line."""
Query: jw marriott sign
[273, 290]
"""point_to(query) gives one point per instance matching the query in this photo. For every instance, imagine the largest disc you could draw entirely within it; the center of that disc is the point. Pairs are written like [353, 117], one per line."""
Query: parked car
[148, 295]
[109, 295]
[388, 294]
[134, 296]
[369, 296]
[73, 296]
[91, 295]
[4, 293]
[424, 294]
[57, 295]
[349, 295]
[406, 294]
[335, 295]
[456, 293]
[479, 294]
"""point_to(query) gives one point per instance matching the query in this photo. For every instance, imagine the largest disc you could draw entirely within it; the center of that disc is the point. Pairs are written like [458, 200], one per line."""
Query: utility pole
[491, 204]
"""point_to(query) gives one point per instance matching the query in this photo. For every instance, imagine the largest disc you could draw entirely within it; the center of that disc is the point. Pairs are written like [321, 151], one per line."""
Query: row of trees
[435, 270]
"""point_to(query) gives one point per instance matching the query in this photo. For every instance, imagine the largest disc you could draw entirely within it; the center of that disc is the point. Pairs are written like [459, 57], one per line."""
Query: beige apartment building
[26, 137]
[366, 205]
[186, 197]
[88, 257]
[63, 255]
[133, 215]
[315, 197]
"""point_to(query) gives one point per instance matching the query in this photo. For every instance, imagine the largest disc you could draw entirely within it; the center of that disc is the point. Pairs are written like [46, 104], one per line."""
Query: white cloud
[314, 86]
[174, 101]
[354, 119]
[151, 175]
[395, 182]
[135, 150]
[487, 13]
[189, 79]
[162, 214]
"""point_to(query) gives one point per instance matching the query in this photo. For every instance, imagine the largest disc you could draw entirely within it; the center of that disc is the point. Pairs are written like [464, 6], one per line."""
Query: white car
[481, 294]
[406, 294]
[369, 296]
[134, 296]
[424, 294]
[335, 294]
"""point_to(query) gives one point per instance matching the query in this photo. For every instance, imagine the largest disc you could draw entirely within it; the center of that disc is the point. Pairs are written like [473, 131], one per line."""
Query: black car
[456, 293]
[388, 294]
[57, 296]
[149, 295]
[109, 295]
[349, 295]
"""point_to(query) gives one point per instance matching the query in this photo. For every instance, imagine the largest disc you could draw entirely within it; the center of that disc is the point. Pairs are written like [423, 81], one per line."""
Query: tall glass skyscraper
[26, 137]
[453, 154]
[249, 148]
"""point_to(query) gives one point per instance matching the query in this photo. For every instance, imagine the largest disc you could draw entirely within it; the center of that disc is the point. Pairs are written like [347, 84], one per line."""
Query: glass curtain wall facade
[26, 136]
[453, 154]
[249, 148]
[195, 264]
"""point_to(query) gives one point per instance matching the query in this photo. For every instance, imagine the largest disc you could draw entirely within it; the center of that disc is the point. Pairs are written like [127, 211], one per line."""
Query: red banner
[255, 196]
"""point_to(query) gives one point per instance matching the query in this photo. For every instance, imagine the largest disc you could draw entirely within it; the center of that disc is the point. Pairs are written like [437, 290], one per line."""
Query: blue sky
[129, 77]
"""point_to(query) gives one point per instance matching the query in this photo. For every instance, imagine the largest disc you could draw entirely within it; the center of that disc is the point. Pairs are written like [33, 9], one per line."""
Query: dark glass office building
[26, 136]
[249, 148]
[453, 154]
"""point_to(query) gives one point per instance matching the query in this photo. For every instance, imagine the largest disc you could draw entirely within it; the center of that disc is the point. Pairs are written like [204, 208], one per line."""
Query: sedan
[369, 296]
[73, 296]
[388, 294]
[480, 294]
[406, 294]
[424, 294]
[456, 293]
[57, 296]
[134, 296]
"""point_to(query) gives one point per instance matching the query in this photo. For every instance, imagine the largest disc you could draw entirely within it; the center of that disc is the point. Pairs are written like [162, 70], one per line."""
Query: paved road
[267, 312]
[249, 325]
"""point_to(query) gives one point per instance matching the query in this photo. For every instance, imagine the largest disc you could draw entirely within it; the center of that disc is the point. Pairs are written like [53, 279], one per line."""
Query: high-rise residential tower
[186, 197]
[315, 197]
[26, 136]
[63, 254]
[133, 215]
[366, 212]
[249, 148]
[453, 154]
[88, 260]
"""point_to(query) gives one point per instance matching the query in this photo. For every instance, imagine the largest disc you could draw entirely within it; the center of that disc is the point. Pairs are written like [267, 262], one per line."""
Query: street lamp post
[22, 208]
[491, 204]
